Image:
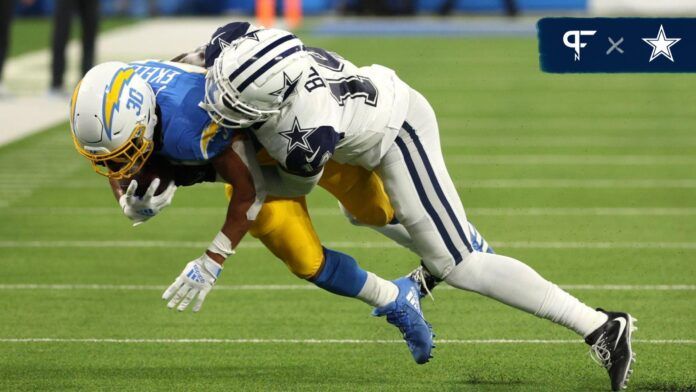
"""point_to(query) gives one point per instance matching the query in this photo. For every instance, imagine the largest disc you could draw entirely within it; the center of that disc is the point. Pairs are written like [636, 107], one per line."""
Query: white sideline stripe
[331, 211]
[323, 341]
[301, 287]
[582, 160]
[26, 74]
[345, 244]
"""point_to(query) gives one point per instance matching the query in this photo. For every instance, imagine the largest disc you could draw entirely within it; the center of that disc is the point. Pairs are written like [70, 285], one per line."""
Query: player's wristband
[221, 245]
[210, 265]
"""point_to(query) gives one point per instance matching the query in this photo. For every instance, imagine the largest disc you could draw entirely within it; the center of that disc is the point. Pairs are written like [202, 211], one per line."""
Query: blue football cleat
[405, 313]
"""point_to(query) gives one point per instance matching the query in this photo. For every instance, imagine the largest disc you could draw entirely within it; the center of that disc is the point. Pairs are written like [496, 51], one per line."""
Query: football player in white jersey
[306, 105]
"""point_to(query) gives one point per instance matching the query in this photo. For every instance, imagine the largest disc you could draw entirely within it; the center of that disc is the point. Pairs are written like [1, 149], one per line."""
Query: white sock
[564, 309]
[514, 283]
[378, 292]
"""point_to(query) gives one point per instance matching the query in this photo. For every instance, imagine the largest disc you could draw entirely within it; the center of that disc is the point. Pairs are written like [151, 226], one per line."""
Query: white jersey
[338, 110]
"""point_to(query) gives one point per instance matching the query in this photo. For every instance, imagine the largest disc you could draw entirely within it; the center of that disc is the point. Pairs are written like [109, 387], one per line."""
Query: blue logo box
[576, 45]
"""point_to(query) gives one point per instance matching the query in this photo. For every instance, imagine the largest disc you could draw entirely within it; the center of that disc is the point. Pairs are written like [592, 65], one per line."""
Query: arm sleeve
[245, 150]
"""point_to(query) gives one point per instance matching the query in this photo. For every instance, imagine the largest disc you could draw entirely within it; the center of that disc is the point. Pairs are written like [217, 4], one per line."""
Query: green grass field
[589, 179]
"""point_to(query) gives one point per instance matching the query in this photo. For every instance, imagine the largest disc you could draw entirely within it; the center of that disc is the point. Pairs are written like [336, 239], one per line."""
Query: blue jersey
[188, 133]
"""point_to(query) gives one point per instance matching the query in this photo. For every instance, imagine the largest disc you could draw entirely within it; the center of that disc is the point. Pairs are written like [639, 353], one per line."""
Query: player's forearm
[117, 188]
[234, 171]
[235, 227]
[236, 230]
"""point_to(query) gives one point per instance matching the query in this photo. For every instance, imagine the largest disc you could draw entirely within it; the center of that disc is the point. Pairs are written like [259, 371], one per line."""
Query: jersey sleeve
[305, 135]
[308, 149]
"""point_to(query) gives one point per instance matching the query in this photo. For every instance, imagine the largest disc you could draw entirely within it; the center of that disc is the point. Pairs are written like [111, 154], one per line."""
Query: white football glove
[197, 279]
[140, 209]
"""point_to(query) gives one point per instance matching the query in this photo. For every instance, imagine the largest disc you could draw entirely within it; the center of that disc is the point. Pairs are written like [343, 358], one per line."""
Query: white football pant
[426, 202]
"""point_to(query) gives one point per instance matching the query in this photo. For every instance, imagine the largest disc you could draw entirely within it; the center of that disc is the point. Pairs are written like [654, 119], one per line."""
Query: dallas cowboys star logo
[289, 86]
[224, 44]
[252, 35]
[661, 45]
[219, 41]
[297, 137]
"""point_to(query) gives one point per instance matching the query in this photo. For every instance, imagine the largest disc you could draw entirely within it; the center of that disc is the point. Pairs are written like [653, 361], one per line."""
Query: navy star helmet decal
[224, 36]
[252, 35]
[289, 87]
[308, 149]
[220, 42]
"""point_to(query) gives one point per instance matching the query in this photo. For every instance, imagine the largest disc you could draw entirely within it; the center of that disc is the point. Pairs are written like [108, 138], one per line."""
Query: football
[155, 167]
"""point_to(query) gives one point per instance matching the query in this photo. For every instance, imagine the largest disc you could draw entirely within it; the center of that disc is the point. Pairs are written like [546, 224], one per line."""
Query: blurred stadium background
[588, 178]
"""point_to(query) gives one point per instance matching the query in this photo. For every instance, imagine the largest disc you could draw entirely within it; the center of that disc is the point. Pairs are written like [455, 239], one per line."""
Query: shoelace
[600, 353]
[419, 277]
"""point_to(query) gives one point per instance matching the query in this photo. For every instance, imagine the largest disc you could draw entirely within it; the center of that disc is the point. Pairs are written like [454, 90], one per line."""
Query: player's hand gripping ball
[141, 208]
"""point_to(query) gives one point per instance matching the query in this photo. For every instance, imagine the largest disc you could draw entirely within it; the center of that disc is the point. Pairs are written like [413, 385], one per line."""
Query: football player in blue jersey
[126, 116]
[307, 106]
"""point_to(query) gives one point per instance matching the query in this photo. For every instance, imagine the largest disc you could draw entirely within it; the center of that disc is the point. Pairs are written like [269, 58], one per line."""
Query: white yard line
[594, 245]
[116, 211]
[527, 140]
[140, 244]
[324, 341]
[334, 211]
[501, 183]
[575, 159]
[581, 211]
[303, 287]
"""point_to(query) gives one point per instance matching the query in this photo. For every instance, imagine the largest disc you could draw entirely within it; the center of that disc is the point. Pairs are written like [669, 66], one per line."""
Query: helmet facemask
[124, 162]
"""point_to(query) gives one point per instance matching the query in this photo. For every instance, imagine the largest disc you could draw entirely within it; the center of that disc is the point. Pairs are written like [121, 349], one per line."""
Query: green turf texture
[30, 34]
[491, 100]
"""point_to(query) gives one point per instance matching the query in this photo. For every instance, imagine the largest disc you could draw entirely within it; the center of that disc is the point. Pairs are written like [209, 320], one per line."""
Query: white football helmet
[252, 78]
[112, 118]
